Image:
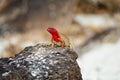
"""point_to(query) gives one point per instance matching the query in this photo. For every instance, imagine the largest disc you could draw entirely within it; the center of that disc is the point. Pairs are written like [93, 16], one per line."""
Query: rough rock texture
[41, 62]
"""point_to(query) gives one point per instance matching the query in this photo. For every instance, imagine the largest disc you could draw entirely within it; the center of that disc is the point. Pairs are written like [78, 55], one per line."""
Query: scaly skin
[58, 37]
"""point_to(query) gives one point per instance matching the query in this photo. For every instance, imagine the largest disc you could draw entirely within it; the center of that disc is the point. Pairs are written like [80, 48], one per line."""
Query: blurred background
[93, 27]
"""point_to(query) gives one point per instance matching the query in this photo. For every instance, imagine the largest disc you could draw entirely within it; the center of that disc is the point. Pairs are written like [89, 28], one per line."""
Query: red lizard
[55, 37]
[58, 37]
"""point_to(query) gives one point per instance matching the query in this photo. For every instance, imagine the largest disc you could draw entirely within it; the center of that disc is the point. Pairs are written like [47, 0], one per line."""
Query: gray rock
[41, 62]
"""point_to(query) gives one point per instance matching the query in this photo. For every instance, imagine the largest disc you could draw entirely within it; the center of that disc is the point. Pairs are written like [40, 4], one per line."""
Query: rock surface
[41, 62]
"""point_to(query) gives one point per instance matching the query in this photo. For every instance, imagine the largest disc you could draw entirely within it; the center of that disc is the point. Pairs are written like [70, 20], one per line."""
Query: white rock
[96, 20]
[101, 63]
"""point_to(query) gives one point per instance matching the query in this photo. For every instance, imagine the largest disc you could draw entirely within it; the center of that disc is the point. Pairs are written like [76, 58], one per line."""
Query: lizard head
[52, 31]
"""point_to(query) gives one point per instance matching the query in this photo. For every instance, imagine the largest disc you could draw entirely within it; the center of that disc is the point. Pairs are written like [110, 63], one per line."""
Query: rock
[41, 62]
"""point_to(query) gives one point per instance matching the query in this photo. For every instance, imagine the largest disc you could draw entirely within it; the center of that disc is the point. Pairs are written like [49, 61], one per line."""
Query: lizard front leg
[52, 43]
[63, 43]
